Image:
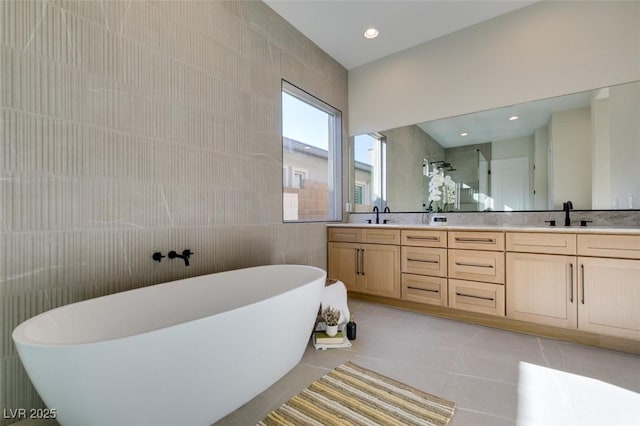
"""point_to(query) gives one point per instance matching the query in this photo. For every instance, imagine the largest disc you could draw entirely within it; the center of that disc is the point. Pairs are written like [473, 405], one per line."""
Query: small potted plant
[331, 317]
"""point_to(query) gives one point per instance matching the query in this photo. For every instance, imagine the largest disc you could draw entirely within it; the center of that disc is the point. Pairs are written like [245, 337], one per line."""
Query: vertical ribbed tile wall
[128, 127]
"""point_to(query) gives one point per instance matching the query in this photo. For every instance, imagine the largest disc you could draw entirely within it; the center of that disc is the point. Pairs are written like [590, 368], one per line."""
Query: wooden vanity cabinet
[586, 283]
[365, 260]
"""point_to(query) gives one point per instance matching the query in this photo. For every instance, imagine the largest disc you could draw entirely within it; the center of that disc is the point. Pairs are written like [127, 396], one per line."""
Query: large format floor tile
[495, 377]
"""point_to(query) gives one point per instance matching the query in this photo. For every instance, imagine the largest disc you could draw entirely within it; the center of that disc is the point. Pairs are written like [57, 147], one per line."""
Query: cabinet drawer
[546, 243]
[476, 240]
[477, 265]
[621, 246]
[345, 235]
[422, 289]
[381, 236]
[424, 260]
[423, 238]
[477, 297]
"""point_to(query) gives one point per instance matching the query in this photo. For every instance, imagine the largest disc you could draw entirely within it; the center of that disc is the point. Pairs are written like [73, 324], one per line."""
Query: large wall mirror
[583, 147]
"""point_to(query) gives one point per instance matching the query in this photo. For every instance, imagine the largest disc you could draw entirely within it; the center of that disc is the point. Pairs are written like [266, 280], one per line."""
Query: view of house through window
[370, 153]
[311, 158]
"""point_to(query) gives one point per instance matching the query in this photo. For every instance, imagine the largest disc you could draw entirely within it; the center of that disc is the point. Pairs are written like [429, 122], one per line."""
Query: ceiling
[337, 27]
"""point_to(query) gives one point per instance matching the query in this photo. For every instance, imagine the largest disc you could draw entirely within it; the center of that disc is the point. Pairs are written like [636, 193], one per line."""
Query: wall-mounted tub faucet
[184, 256]
[157, 256]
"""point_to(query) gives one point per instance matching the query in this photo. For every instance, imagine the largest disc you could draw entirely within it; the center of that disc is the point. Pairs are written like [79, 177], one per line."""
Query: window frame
[334, 152]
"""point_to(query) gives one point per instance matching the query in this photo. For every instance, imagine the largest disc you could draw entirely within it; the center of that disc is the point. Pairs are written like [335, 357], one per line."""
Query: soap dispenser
[351, 329]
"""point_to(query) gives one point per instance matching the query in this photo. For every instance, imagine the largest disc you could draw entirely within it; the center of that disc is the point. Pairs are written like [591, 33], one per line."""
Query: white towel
[335, 296]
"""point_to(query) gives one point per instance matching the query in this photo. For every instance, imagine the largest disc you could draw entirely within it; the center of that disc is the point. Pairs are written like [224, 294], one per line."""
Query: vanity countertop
[622, 230]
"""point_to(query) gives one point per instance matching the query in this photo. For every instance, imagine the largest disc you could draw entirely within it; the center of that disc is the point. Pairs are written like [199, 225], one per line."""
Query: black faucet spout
[375, 209]
[567, 206]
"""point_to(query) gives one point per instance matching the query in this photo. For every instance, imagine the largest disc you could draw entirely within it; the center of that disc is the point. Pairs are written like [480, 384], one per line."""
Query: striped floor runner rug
[352, 395]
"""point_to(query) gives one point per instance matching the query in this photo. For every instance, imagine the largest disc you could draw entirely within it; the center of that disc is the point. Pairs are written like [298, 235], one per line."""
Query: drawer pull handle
[423, 261]
[475, 297]
[571, 282]
[423, 289]
[475, 265]
[410, 237]
[475, 240]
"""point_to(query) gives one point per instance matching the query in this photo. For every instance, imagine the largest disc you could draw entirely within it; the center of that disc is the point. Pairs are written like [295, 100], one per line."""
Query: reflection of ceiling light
[464, 134]
[513, 117]
[371, 33]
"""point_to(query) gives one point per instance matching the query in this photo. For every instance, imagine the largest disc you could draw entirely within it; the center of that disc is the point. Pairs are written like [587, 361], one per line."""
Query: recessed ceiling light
[513, 117]
[371, 33]
[464, 134]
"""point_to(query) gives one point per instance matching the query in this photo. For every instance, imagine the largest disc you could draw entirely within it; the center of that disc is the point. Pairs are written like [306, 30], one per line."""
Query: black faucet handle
[157, 256]
[385, 221]
[187, 252]
[584, 222]
[551, 222]
[368, 220]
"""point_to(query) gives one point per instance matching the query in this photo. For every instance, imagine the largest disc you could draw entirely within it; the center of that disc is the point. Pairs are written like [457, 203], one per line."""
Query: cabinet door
[542, 288]
[344, 263]
[381, 270]
[609, 296]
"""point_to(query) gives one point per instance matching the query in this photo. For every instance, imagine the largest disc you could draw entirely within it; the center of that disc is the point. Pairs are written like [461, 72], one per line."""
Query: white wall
[516, 148]
[546, 49]
[570, 144]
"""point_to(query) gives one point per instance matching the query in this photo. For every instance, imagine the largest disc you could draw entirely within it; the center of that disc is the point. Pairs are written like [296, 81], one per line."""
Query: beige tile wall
[129, 127]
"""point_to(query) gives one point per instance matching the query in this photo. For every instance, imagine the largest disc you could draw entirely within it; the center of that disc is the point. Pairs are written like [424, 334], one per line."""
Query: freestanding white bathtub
[186, 352]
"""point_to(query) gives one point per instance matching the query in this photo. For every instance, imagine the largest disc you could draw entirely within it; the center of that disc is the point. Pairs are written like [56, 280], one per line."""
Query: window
[370, 151]
[311, 158]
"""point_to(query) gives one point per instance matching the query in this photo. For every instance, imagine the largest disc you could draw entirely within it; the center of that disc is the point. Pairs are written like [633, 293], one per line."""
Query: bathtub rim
[19, 336]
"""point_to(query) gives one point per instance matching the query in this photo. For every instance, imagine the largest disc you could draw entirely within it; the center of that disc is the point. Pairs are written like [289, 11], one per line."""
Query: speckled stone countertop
[622, 230]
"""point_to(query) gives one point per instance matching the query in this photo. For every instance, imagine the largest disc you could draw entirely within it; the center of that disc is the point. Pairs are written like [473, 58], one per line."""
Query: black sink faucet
[375, 209]
[567, 206]
[387, 209]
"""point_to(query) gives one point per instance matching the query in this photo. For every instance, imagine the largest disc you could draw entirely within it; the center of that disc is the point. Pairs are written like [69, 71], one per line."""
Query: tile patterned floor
[477, 367]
